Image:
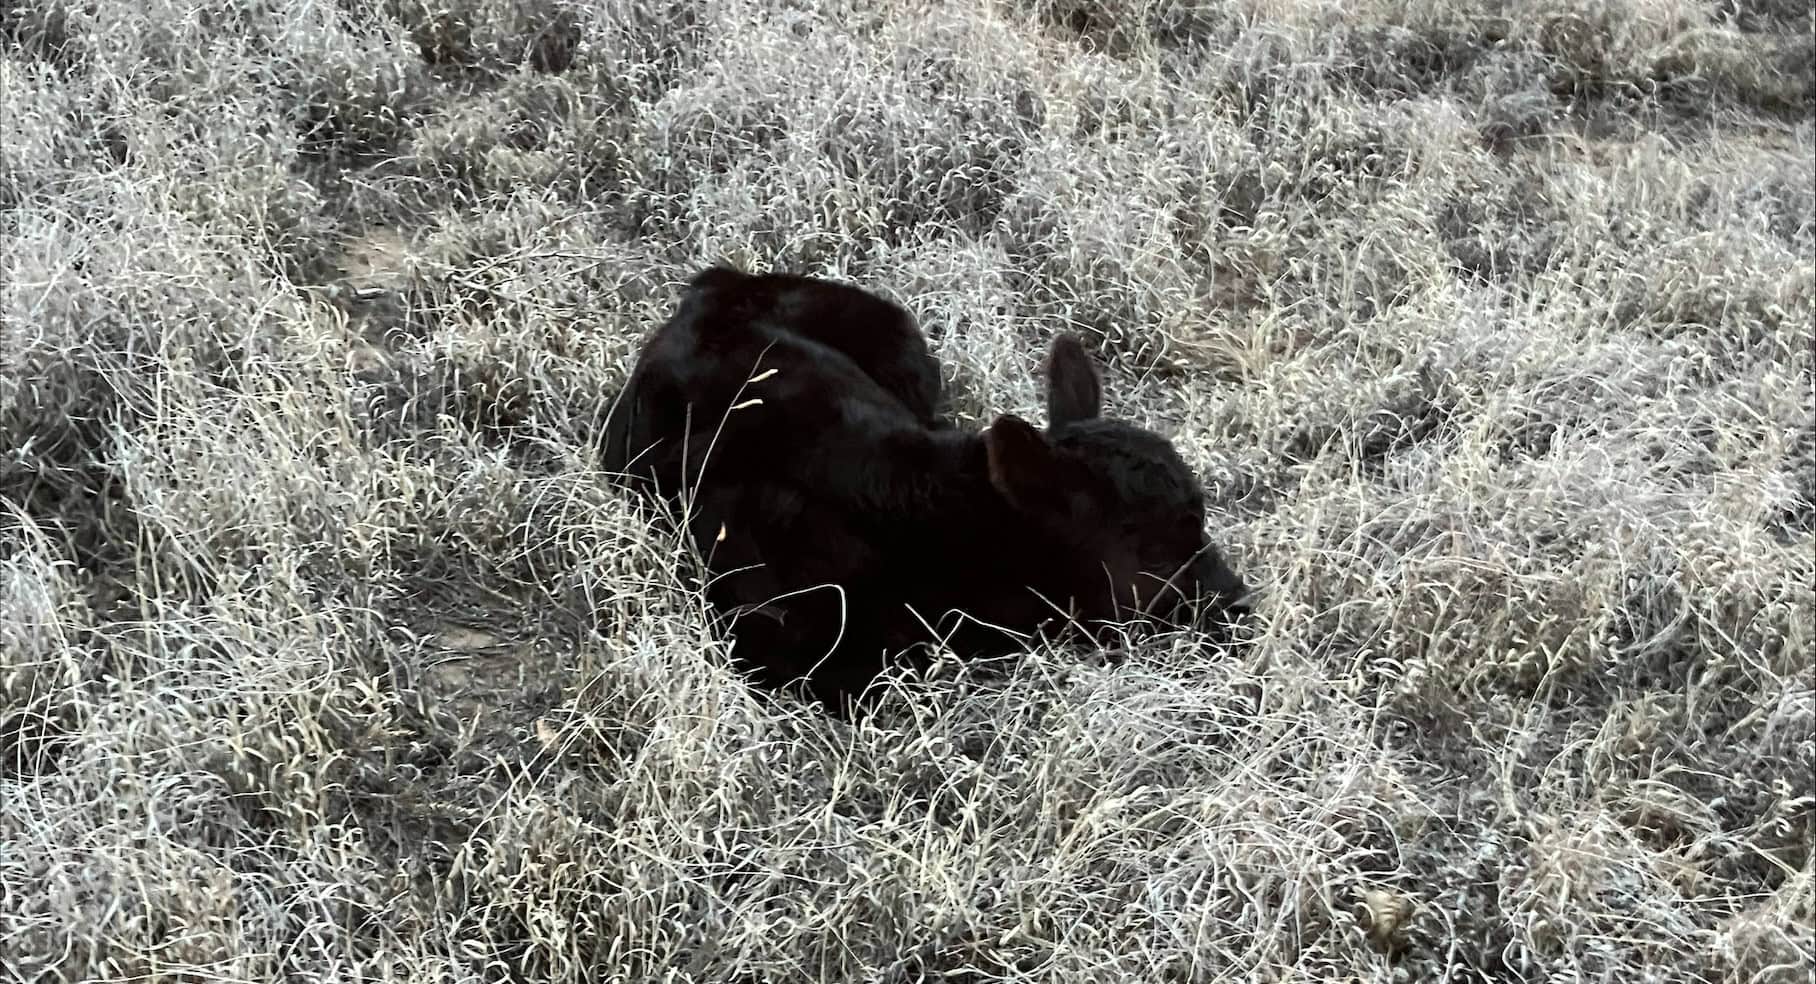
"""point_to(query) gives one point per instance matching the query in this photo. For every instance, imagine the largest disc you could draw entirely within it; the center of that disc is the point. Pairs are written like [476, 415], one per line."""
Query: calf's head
[1116, 499]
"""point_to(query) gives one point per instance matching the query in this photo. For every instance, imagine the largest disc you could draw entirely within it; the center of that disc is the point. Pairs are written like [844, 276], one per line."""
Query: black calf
[843, 525]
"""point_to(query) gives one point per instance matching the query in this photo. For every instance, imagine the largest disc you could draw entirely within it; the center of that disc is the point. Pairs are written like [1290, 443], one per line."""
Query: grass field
[327, 653]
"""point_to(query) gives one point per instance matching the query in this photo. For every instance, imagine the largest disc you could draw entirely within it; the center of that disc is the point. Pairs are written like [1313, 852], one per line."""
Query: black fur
[797, 416]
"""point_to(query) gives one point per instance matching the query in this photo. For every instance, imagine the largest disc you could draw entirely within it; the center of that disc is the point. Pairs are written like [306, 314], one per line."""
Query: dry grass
[327, 653]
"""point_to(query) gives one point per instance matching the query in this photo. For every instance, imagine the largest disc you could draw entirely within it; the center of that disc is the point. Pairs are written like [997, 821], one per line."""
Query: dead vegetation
[327, 653]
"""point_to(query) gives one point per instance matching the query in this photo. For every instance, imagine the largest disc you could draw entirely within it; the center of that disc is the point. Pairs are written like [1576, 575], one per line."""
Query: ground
[327, 652]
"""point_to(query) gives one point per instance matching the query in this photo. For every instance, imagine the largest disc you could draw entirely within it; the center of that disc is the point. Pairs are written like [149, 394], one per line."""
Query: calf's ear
[1074, 391]
[1024, 467]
